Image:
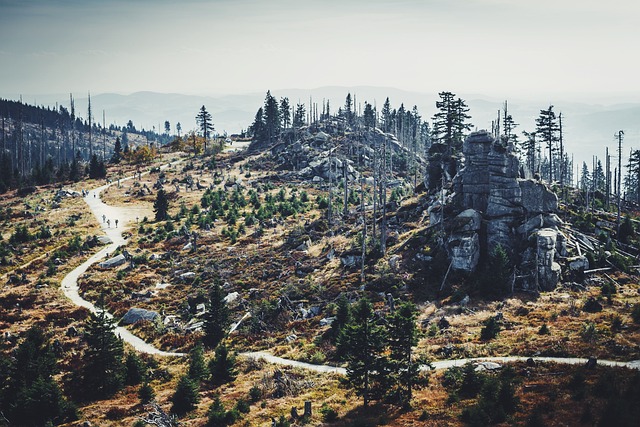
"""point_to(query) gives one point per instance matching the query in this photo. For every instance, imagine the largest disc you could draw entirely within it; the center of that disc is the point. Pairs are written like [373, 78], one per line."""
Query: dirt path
[438, 365]
[126, 217]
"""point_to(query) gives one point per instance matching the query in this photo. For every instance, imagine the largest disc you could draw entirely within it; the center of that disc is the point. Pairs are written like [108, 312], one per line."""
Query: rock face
[499, 207]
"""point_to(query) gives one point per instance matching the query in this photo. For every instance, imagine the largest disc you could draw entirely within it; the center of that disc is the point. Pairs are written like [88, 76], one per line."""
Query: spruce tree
[103, 371]
[271, 117]
[117, 151]
[205, 123]
[364, 344]
[285, 112]
[216, 318]
[197, 366]
[135, 369]
[403, 336]
[547, 129]
[186, 396]
[222, 366]
[299, 116]
[161, 206]
[29, 394]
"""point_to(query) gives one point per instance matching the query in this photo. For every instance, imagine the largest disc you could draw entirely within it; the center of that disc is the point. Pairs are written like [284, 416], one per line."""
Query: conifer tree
[29, 394]
[216, 318]
[205, 123]
[161, 205]
[135, 369]
[364, 342]
[117, 151]
[257, 129]
[285, 112]
[103, 372]
[186, 396]
[222, 366]
[197, 366]
[403, 336]
[299, 116]
[271, 117]
[547, 129]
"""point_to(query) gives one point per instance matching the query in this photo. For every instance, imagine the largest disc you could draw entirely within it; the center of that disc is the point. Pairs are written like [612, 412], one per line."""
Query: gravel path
[441, 364]
[126, 216]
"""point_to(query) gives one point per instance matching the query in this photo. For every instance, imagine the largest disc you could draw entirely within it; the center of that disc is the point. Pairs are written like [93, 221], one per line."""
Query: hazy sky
[502, 48]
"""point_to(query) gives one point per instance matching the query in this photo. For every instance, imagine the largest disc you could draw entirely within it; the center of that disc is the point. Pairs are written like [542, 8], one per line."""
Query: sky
[501, 48]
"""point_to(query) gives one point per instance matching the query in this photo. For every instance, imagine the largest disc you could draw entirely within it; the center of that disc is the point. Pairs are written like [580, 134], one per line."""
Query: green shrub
[328, 413]
[491, 328]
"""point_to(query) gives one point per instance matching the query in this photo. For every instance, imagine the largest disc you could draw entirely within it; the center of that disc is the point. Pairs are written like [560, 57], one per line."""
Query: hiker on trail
[109, 223]
[104, 218]
[116, 223]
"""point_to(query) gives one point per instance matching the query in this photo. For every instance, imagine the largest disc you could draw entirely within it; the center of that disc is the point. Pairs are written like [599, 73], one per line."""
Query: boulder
[137, 314]
[537, 198]
[548, 270]
[464, 252]
[113, 262]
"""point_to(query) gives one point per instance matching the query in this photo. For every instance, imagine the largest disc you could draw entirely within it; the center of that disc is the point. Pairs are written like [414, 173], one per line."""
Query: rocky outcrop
[507, 210]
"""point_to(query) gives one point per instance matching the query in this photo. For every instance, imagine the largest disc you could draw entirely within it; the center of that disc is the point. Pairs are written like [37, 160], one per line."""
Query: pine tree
[216, 318]
[299, 116]
[271, 117]
[186, 396]
[450, 122]
[222, 366]
[117, 151]
[257, 129]
[161, 205]
[29, 394]
[369, 116]
[403, 336]
[146, 393]
[197, 366]
[348, 110]
[285, 112]
[364, 342]
[135, 369]
[205, 123]
[547, 129]
[103, 372]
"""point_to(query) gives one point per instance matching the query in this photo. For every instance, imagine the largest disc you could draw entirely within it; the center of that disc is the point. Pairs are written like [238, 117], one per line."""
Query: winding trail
[125, 216]
[437, 365]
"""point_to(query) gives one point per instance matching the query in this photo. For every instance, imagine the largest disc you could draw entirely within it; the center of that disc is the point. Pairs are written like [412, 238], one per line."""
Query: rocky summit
[493, 204]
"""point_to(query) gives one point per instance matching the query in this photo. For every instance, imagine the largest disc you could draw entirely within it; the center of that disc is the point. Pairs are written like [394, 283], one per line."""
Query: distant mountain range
[589, 127]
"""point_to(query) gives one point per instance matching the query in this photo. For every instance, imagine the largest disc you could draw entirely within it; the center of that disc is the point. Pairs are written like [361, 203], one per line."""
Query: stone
[464, 252]
[578, 263]
[537, 198]
[487, 366]
[394, 262]
[137, 314]
[467, 220]
[113, 262]
[591, 362]
[291, 338]
[327, 321]
[531, 225]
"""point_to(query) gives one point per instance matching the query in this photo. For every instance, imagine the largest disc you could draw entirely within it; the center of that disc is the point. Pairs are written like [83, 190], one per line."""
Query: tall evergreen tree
[197, 366]
[29, 394]
[285, 112]
[205, 122]
[299, 116]
[216, 318]
[222, 366]
[348, 110]
[403, 336]
[369, 116]
[186, 396]
[364, 342]
[449, 124]
[547, 129]
[103, 371]
[117, 151]
[161, 205]
[271, 117]
[257, 129]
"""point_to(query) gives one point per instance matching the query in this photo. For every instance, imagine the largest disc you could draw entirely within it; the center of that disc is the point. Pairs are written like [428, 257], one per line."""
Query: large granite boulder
[464, 251]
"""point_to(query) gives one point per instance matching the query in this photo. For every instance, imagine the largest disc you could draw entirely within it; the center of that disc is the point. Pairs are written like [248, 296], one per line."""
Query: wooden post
[307, 409]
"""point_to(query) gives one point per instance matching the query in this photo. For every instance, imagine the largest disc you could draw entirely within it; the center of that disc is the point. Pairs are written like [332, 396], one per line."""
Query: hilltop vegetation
[318, 232]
